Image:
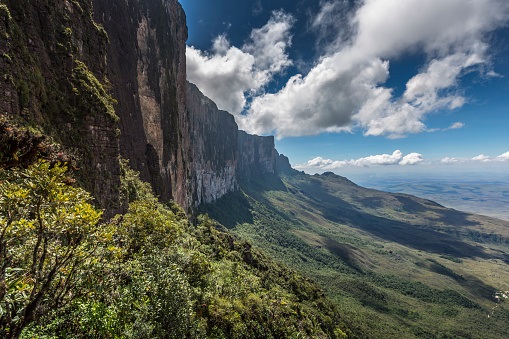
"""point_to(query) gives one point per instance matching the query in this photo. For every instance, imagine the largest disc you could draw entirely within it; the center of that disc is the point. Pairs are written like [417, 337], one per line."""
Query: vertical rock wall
[223, 157]
[63, 62]
[146, 64]
[257, 155]
[283, 165]
[214, 144]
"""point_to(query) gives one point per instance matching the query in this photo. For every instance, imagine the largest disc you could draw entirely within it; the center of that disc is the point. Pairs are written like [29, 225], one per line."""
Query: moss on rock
[90, 91]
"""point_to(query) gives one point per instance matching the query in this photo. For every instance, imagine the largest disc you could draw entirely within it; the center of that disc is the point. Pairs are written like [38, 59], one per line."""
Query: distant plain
[486, 194]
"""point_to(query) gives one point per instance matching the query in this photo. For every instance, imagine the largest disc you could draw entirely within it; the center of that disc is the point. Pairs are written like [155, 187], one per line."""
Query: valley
[132, 206]
[397, 265]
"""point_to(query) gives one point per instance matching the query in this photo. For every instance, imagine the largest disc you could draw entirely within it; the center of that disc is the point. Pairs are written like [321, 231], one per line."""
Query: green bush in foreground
[49, 235]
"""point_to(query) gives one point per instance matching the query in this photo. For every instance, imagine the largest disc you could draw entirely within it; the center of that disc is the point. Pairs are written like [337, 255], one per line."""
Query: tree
[49, 234]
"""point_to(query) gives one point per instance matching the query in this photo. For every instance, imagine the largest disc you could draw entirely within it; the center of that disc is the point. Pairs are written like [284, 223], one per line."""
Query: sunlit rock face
[107, 80]
[190, 151]
[214, 145]
[257, 155]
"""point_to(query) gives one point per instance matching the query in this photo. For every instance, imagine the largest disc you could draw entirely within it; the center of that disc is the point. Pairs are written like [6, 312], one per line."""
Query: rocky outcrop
[53, 66]
[283, 165]
[214, 145]
[224, 157]
[146, 65]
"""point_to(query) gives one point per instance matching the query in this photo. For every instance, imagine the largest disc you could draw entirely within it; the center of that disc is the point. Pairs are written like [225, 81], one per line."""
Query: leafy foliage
[48, 236]
[23, 146]
[146, 274]
[91, 92]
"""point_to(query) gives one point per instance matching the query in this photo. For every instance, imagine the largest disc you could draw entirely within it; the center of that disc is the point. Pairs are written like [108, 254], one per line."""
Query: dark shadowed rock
[53, 65]
[257, 155]
[107, 79]
[146, 65]
[283, 165]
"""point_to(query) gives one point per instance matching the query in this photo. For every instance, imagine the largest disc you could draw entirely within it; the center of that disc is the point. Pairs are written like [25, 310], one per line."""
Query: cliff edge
[107, 80]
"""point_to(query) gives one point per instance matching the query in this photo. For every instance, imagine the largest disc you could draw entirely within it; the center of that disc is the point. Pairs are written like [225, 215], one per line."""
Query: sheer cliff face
[146, 64]
[257, 156]
[176, 137]
[53, 66]
[62, 66]
[214, 144]
[283, 165]
[222, 155]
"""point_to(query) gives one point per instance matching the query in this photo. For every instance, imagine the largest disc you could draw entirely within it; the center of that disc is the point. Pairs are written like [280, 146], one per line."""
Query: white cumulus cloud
[482, 158]
[411, 159]
[381, 159]
[396, 158]
[503, 157]
[449, 160]
[228, 75]
[319, 162]
[346, 88]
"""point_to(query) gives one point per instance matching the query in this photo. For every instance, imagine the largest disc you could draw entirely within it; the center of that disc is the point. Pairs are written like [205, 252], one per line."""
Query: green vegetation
[396, 266]
[90, 92]
[146, 274]
[5, 16]
[64, 93]
[465, 193]
[22, 145]
[48, 238]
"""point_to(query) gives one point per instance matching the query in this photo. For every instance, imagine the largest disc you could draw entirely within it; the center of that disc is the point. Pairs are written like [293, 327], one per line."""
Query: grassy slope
[399, 266]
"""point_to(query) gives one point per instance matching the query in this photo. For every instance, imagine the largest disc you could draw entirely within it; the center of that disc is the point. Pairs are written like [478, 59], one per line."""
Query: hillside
[468, 192]
[90, 248]
[397, 265]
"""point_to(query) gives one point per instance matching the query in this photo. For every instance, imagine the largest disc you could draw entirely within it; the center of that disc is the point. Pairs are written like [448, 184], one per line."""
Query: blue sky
[350, 86]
